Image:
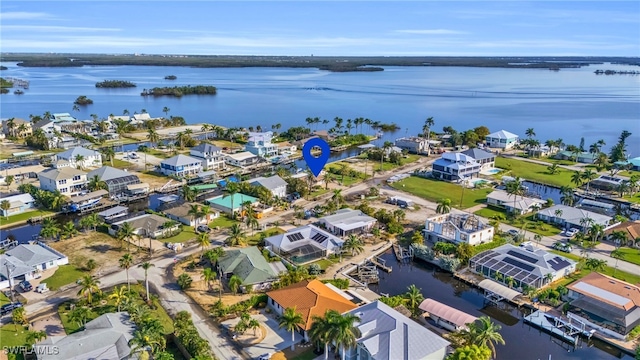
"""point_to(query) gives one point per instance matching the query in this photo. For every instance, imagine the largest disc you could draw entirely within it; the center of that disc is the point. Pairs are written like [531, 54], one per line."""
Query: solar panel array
[518, 263]
[295, 237]
[558, 263]
[522, 256]
[319, 238]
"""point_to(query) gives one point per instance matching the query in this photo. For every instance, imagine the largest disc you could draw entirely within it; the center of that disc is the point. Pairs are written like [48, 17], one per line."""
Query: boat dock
[565, 330]
[403, 255]
[380, 263]
[8, 244]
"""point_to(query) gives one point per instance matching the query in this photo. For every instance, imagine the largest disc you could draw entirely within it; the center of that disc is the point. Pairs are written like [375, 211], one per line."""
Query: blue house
[18, 204]
[260, 144]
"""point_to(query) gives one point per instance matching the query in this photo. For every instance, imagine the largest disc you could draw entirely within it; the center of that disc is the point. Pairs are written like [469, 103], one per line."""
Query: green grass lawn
[535, 172]
[223, 221]
[24, 216]
[631, 255]
[618, 274]
[319, 192]
[634, 199]
[10, 337]
[533, 225]
[64, 275]
[490, 213]
[187, 233]
[121, 164]
[435, 190]
[4, 299]
[253, 240]
[629, 173]
[325, 263]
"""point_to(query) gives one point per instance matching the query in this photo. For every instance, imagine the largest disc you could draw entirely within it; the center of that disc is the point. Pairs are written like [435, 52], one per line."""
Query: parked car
[572, 232]
[42, 288]
[26, 286]
[562, 247]
[7, 308]
[513, 232]
[266, 356]
[204, 228]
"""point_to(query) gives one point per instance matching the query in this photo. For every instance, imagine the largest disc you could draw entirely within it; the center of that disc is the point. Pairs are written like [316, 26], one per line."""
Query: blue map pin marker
[316, 163]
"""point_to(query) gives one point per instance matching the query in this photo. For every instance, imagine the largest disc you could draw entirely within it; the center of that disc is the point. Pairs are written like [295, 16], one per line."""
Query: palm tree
[153, 137]
[577, 178]
[196, 213]
[567, 197]
[486, 333]
[125, 262]
[88, 287]
[19, 317]
[530, 133]
[414, 298]
[588, 175]
[290, 321]
[166, 110]
[514, 188]
[509, 281]
[253, 324]
[327, 179]
[353, 244]
[234, 283]
[595, 264]
[553, 168]
[344, 333]
[96, 184]
[126, 232]
[68, 230]
[337, 196]
[208, 275]
[203, 241]
[385, 147]
[110, 153]
[618, 255]
[236, 235]
[146, 266]
[320, 330]
[36, 336]
[120, 296]
[79, 315]
[50, 228]
[232, 190]
[188, 193]
[5, 205]
[444, 206]
[427, 129]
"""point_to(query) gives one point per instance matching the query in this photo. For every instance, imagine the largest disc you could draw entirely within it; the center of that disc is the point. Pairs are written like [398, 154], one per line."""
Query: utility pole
[9, 271]
[149, 235]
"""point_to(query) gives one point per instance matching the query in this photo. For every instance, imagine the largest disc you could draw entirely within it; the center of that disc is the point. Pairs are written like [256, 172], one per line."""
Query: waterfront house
[530, 266]
[631, 230]
[347, 221]
[581, 157]
[274, 184]
[47, 126]
[444, 315]
[251, 267]
[25, 262]
[147, 225]
[118, 181]
[309, 298]
[230, 204]
[605, 303]
[457, 228]
[632, 164]
[181, 166]
[486, 159]
[455, 166]
[386, 334]
[607, 183]
[79, 157]
[69, 181]
[21, 128]
[18, 204]
[241, 159]
[60, 117]
[502, 139]
[413, 144]
[180, 212]
[541, 151]
[260, 144]
[304, 244]
[211, 156]
[105, 337]
[514, 204]
[571, 217]
[286, 148]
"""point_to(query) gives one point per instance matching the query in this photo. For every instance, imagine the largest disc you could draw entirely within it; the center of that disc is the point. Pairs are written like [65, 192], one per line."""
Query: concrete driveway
[277, 339]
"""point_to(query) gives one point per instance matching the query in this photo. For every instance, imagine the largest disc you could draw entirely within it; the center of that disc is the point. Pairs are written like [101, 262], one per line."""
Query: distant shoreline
[333, 63]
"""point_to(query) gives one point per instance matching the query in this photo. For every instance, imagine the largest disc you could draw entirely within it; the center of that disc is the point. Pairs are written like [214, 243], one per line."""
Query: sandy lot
[50, 323]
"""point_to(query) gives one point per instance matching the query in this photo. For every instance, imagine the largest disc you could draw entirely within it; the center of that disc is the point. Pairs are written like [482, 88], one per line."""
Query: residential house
[457, 228]
[286, 148]
[632, 164]
[347, 221]
[181, 166]
[147, 225]
[274, 184]
[59, 117]
[607, 183]
[631, 230]
[514, 204]
[528, 266]
[386, 334]
[77, 126]
[605, 303]
[180, 212]
[69, 181]
[309, 298]
[571, 217]
[455, 166]
[241, 159]
[251, 267]
[413, 144]
[105, 337]
[18, 204]
[47, 126]
[260, 144]
[21, 128]
[115, 118]
[79, 157]
[118, 181]
[541, 151]
[502, 139]
[486, 159]
[211, 156]
[230, 204]
[581, 157]
[304, 244]
[25, 262]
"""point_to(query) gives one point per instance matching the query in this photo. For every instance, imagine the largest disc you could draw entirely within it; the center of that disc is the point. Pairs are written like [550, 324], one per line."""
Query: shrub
[184, 281]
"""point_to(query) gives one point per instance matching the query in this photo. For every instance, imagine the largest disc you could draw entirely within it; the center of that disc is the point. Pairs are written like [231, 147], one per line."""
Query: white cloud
[49, 29]
[24, 15]
[431, 32]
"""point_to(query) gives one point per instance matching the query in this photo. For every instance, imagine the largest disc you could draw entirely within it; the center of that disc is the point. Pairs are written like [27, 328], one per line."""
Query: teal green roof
[238, 199]
[204, 187]
[248, 264]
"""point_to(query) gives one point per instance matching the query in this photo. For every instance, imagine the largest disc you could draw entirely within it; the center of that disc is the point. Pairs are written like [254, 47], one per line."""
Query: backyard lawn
[532, 224]
[187, 233]
[254, 239]
[535, 172]
[24, 216]
[222, 222]
[120, 164]
[325, 263]
[65, 274]
[435, 190]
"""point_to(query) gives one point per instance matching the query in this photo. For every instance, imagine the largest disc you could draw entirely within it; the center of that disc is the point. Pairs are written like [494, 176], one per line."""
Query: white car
[572, 232]
[42, 288]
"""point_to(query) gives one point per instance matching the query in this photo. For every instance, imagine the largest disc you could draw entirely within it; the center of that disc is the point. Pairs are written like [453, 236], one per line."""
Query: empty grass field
[435, 190]
[536, 172]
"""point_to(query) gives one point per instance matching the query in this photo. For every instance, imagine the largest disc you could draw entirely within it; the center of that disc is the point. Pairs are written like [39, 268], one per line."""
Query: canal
[522, 341]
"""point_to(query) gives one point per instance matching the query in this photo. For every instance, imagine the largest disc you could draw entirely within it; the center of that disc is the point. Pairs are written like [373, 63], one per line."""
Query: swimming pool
[492, 171]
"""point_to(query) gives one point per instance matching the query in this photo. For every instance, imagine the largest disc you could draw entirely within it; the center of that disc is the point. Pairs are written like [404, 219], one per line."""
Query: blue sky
[349, 28]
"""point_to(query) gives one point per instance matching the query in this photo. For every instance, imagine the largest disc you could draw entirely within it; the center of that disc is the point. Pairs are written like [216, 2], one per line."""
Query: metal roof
[90, 196]
[498, 289]
[446, 312]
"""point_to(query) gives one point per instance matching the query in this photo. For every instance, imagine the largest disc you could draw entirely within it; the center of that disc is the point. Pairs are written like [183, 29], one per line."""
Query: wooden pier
[380, 263]
[403, 255]
[563, 329]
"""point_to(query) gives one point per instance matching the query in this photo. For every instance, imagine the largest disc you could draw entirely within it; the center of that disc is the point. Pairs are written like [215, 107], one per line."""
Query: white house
[241, 159]
[348, 221]
[260, 144]
[275, 184]
[304, 244]
[80, 157]
[457, 228]
[570, 217]
[514, 204]
[181, 166]
[24, 262]
[502, 139]
[180, 212]
[69, 181]
[211, 156]
[413, 144]
[455, 166]
[486, 159]
[18, 204]
[386, 334]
